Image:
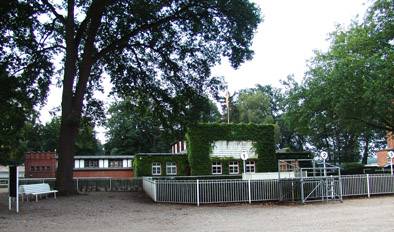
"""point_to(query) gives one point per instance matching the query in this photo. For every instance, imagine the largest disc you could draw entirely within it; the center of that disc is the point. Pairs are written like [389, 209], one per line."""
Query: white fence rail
[88, 184]
[149, 187]
[234, 190]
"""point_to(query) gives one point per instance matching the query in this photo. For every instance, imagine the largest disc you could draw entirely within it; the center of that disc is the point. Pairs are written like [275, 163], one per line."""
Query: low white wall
[267, 175]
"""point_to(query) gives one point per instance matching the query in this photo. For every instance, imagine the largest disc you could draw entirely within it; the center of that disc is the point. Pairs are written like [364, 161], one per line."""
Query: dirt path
[135, 212]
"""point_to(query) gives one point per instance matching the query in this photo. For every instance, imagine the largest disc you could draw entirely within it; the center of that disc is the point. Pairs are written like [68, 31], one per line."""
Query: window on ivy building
[250, 166]
[171, 168]
[156, 169]
[233, 167]
[216, 168]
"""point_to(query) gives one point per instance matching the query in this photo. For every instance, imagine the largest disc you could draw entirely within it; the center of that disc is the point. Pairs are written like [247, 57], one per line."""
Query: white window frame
[216, 167]
[171, 168]
[233, 165]
[250, 164]
[156, 169]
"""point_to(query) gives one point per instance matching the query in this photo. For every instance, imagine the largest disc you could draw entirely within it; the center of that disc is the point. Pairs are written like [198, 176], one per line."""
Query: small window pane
[250, 166]
[216, 168]
[171, 168]
[233, 167]
[156, 169]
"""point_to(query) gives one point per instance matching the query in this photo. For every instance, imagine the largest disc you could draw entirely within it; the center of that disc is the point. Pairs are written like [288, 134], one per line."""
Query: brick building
[44, 165]
[40, 164]
[382, 155]
[103, 166]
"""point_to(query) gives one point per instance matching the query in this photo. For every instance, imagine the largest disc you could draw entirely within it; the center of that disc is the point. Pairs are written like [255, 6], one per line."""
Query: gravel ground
[133, 211]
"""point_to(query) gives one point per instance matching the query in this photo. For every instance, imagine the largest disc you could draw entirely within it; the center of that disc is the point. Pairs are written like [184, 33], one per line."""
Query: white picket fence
[235, 190]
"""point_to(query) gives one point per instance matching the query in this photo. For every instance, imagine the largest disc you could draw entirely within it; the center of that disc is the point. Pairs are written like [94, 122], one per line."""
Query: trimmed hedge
[201, 137]
[142, 164]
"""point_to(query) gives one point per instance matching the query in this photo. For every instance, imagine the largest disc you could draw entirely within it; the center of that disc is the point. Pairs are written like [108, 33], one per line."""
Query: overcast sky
[290, 32]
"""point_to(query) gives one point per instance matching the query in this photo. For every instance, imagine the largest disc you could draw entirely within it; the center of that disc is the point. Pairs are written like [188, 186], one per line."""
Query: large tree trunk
[64, 175]
[72, 98]
[70, 117]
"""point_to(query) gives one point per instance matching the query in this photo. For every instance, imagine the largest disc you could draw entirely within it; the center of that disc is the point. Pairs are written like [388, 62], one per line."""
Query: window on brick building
[116, 163]
[91, 164]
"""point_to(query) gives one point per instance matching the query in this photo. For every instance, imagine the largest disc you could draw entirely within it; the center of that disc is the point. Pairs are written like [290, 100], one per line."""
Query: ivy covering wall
[201, 137]
[142, 164]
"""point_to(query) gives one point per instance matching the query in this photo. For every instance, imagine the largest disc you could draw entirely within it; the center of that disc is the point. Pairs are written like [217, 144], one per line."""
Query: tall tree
[155, 48]
[38, 137]
[346, 100]
[17, 111]
[254, 106]
[134, 127]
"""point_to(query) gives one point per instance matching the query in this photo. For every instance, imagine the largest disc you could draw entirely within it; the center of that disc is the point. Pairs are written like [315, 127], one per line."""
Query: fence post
[368, 188]
[110, 184]
[198, 193]
[154, 191]
[302, 190]
[77, 185]
[250, 198]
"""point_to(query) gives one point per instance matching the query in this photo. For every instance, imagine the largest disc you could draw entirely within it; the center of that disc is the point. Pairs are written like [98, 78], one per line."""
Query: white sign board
[391, 154]
[244, 155]
[324, 155]
[233, 149]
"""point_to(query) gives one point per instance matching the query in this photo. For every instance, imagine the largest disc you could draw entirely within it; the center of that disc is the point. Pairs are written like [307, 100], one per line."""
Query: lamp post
[228, 106]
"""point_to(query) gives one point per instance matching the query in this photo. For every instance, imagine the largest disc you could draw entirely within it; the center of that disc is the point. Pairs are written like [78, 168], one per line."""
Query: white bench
[36, 190]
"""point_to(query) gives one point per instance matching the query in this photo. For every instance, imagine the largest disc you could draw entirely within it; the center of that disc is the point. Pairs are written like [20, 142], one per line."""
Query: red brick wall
[381, 158]
[115, 173]
[390, 140]
[43, 163]
[42, 160]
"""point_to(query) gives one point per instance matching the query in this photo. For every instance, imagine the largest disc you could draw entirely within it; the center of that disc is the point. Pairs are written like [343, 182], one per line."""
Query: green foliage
[133, 128]
[200, 138]
[45, 137]
[254, 107]
[16, 109]
[142, 164]
[346, 99]
[352, 168]
[158, 49]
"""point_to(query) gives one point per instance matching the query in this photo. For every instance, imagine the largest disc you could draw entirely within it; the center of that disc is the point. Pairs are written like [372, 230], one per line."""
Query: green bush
[352, 168]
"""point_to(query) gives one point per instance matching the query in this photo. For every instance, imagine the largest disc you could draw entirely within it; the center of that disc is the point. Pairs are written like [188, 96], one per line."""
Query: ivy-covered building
[214, 149]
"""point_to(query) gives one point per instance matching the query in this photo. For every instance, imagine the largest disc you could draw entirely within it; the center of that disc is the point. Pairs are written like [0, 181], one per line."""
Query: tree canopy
[346, 100]
[151, 48]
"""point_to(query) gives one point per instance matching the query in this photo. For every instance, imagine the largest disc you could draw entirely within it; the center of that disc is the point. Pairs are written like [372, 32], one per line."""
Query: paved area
[101, 211]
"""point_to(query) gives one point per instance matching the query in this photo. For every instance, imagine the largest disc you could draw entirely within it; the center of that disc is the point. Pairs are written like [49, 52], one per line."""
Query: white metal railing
[86, 184]
[149, 187]
[236, 190]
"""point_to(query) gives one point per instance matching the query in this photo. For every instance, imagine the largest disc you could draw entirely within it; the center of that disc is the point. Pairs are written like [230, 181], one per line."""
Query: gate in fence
[321, 189]
[314, 181]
